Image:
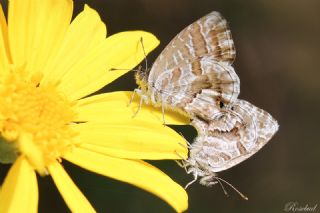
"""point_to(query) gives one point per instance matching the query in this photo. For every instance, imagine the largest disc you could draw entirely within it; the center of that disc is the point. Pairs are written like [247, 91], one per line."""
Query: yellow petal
[122, 50]
[4, 50]
[138, 173]
[134, 140]
[36, 30]
[114, 107]
[19, 192]
[84, 34]
[74, 198]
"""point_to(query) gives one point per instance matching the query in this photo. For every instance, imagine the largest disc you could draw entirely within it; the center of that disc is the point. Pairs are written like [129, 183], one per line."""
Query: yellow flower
[48, 67]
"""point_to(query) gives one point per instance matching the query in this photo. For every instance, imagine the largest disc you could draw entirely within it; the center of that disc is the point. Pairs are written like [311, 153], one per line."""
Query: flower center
[34, 120]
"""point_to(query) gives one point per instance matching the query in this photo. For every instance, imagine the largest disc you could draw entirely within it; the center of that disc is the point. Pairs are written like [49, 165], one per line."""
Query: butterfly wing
[197, 87]
[215, 150]
[208, 36]
[194, 70]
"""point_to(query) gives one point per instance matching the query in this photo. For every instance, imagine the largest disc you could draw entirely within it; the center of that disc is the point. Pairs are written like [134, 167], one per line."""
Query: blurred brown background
[278, 47]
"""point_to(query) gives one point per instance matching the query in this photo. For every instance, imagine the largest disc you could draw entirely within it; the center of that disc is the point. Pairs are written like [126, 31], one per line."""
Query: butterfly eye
[232, 108]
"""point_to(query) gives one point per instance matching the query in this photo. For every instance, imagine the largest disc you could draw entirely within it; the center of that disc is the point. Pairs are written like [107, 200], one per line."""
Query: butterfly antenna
[234, 188]
[224, 189]
[139, 68]
[144, 52]
[117, 69]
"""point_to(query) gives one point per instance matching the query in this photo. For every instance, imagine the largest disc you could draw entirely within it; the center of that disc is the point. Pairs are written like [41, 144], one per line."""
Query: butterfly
[231, 137]
[194, 76]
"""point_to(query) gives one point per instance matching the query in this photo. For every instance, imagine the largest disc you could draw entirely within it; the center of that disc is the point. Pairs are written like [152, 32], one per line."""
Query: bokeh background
[277, 61]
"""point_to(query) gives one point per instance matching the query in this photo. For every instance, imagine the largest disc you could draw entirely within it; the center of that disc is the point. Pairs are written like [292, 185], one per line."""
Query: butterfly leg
[143, 98]
[184, 164]
[181, 162]
[182, 158]
[195, 175]
[139, 107]
[132, 96]
[189, 146]
[184, 161]
[162, 108]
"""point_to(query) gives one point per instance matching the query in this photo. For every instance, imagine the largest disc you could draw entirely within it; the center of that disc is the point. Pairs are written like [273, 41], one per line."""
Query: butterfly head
[141, 77]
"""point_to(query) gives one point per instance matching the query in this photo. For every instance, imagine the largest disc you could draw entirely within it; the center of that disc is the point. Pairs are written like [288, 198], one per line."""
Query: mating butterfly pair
[193, 75]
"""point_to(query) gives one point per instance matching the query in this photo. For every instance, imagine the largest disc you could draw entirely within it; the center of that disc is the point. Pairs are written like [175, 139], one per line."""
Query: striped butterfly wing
[198, 87]
[208, 36]
[234, 137]
[194, 70]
